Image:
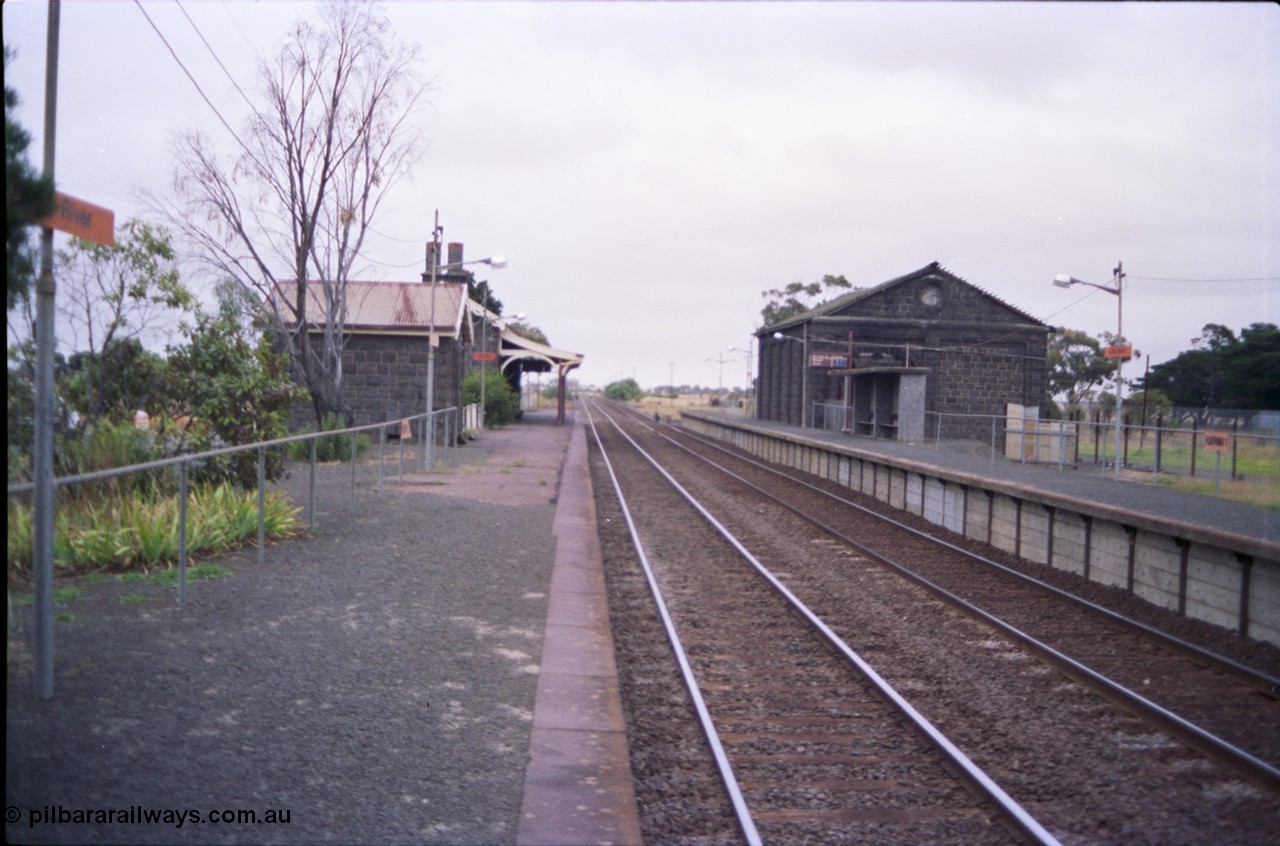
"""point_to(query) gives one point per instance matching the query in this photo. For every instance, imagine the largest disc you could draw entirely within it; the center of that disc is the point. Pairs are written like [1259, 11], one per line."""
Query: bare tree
[329, 135]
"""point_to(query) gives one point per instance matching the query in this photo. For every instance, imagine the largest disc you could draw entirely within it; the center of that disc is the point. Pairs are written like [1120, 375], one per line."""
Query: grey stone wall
[385, 378]
[980, 355]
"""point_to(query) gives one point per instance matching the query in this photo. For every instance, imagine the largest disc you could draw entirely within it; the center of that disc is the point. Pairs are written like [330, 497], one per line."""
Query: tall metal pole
[46, 345]
[429, 425]
[1119, 273]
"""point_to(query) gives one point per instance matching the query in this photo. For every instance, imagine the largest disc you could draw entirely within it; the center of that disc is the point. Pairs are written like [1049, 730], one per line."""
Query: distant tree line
[1223, 370]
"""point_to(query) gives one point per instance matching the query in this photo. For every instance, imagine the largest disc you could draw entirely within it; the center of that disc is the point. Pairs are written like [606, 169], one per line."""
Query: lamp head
[1062, 280]
[498, 262]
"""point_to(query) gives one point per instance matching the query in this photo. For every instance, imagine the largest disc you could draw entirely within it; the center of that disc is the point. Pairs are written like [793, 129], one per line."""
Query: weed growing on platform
[329, 447]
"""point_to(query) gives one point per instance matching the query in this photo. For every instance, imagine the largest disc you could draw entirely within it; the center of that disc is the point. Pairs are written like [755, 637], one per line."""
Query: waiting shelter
[897, 359]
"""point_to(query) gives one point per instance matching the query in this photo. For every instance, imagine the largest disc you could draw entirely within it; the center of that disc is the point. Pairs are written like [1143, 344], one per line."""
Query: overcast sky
[648, 169]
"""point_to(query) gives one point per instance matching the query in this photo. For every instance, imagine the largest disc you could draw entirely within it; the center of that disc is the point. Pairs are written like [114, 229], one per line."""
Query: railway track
[1082, 766]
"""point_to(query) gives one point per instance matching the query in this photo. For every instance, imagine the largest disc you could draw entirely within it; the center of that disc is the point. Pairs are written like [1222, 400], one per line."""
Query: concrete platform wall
[1172, 565]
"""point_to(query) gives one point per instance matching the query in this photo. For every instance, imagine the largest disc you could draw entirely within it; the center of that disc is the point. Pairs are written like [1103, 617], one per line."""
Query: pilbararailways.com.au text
[139, 815]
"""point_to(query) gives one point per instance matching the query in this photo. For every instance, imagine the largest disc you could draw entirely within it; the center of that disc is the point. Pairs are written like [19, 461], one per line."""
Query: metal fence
[183, 466]
[1179, 446]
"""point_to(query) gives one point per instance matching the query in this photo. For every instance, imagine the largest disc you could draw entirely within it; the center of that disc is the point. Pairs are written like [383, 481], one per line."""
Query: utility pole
[46, 345]
[432, 341]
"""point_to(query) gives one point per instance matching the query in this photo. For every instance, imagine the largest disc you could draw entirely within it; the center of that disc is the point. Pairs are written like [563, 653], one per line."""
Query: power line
[200, 90]
[397, 240]
[213, 53]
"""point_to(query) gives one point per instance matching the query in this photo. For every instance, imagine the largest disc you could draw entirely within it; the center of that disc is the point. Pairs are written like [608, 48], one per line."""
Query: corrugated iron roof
[398, 307]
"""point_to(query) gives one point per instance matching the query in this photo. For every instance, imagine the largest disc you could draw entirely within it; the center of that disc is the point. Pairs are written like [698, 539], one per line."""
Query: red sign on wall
[484, 356]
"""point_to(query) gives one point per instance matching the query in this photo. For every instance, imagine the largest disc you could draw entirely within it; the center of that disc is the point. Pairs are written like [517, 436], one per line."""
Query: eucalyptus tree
[114, 297]
[1076, 365]
[330, 132]
[798, 297]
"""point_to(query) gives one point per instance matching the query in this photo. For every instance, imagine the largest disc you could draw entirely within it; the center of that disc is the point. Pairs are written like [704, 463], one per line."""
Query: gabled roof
[516, 347]
[846, 300]
[519, 348]
[399, 308]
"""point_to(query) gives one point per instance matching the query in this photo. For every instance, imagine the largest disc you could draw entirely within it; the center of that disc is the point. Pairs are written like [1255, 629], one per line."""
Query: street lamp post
[433, 260]
[1064, 281]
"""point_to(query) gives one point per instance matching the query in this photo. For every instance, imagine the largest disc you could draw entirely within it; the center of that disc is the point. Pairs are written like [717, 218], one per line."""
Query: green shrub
[139, 530]
[107, 445]
[501, 402]
[625, 390]
[329, 447]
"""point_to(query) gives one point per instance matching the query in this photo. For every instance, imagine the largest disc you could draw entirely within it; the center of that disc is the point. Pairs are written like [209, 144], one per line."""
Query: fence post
[353, 471]
[382, 449]
[182, 534]
[1075, 424]
[1159, 440]
[1097, 435]
[262, 504]
[1124, 422]
[428, 438]
[1195, 436]
[311, 504]
[1235, 443]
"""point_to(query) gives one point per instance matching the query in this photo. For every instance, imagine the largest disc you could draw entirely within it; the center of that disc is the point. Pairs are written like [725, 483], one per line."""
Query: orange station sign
[82, 219]
[1217, 441]
[1123, 351]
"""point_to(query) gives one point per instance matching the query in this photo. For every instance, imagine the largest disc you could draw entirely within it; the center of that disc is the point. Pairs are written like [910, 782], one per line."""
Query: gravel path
[374, 681]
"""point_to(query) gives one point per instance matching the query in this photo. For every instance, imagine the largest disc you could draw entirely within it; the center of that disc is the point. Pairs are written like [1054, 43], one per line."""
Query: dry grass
[668, 407]
[1256, 491]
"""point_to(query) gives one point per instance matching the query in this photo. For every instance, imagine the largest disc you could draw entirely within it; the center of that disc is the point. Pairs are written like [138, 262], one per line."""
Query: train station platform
[1134, 492]
[432, 665]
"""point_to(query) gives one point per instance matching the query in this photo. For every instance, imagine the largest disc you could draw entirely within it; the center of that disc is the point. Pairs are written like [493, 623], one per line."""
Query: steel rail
[1256, 770]
[987, 786]
[1254, 674]
[741, 812]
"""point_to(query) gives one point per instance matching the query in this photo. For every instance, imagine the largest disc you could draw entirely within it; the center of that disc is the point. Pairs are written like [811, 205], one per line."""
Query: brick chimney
[455, 255]
[431, 260]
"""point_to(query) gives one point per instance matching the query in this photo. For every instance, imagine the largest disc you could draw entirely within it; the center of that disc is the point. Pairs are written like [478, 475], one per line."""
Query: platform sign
[83, 220]
[1123, 351]
[1217, 441]
[826, 359]
[484, 356]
